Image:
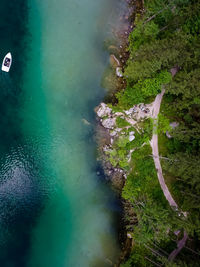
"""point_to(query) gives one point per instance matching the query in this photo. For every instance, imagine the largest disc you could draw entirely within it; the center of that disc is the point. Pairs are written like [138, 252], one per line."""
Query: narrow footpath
[155, 153]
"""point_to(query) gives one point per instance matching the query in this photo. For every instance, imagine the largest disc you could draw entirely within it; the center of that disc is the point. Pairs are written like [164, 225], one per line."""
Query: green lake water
[55, 210]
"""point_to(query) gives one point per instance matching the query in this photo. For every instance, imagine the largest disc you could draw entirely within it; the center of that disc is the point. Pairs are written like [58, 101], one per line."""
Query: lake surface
[55, 210]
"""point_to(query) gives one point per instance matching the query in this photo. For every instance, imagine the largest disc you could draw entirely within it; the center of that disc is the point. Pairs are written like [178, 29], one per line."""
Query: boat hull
[7, 61]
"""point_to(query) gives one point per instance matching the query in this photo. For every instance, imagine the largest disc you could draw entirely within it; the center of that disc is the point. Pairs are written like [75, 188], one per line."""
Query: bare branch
[156, 264]
[152, 17]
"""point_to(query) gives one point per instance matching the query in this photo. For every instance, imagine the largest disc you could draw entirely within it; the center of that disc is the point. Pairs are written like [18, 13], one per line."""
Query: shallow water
[54, 209]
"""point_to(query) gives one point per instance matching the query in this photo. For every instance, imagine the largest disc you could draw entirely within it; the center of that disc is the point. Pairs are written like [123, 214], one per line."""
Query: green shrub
[163, 124]
[142, 90]
[120, 122]
[118, 155]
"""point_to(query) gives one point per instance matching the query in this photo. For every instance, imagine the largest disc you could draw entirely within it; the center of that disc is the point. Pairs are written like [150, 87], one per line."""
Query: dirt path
[180, 245]
[154, 145]
[155, 153]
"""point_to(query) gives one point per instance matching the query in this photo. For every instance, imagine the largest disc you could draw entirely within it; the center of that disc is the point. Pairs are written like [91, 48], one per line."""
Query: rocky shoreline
[108, 131]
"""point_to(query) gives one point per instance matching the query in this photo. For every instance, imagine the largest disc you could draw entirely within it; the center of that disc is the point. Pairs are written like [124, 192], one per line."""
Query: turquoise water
[55, 210]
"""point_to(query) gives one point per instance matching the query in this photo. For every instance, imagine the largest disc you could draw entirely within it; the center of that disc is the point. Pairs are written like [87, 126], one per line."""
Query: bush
[163, 124]
[142, 90]
[118, 156]
[120, 122]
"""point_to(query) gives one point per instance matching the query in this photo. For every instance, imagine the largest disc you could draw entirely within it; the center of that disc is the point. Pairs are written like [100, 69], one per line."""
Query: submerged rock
[113, 49]
[114, 62]
[117, 180]
[86, 122]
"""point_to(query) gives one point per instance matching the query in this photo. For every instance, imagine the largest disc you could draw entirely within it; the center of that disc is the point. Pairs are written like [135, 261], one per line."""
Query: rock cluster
[103, 110]
[107, 118]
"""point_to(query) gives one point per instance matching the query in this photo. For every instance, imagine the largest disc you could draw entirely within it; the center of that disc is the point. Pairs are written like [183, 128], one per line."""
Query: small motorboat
[7, 61]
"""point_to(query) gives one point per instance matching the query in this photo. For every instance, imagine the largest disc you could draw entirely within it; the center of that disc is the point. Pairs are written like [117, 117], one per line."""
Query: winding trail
[155, 153]
[180, 245]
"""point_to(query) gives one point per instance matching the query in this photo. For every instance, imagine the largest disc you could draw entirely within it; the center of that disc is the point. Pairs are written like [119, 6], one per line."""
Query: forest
[165, 37]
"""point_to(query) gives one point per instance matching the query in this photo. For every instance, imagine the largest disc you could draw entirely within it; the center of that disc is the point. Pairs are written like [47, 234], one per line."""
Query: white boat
[7, 61]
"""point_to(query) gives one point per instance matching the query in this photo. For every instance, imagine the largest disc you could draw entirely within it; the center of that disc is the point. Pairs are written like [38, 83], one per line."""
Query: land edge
[117, 176]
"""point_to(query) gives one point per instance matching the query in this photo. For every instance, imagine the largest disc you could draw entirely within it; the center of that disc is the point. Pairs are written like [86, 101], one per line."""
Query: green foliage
[129, 98]
[192, 21]
[142, 189]
[166, 37]
[154, 221]
[137, 257]
[140, 139]
[143, 179]
[181, 84]
[138, 70]
[142, 90]
[142, 33]
[115, 108]
[148, 128]
[113, 157]
[186, 168]
[156, 56]
[118, 155]
[163, 124]
[120, 122]
[122, 142]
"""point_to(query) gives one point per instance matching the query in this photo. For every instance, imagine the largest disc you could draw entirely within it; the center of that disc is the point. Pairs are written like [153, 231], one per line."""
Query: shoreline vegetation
[149, 133]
